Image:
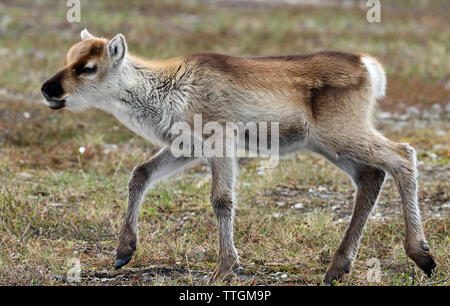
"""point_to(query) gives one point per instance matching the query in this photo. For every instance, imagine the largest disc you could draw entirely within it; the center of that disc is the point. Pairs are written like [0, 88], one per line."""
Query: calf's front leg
[223, 172]
[162, 165]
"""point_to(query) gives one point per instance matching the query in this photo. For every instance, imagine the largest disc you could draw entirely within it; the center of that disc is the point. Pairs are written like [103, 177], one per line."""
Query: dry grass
[57, 204]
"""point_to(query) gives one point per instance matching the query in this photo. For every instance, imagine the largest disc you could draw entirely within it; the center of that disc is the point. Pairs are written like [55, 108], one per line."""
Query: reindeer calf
[323, 102]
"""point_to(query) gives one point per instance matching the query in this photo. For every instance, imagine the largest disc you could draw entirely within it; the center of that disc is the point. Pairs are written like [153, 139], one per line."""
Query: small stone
[413, 110]
[436, 107]
[432, 155]
[108, 148]
[298, 206]
[105, 280]
[55, 204]
[384, 115]
[25, 174]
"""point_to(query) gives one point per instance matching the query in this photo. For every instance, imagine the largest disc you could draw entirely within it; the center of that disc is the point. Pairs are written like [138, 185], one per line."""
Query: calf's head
[90, 68]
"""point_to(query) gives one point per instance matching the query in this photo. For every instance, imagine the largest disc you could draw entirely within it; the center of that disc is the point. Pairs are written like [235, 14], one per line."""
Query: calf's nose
[44, 90]
[52, 89]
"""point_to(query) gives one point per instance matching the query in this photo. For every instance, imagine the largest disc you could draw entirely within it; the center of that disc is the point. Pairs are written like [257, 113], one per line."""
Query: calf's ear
[85, 34]
[117, 49]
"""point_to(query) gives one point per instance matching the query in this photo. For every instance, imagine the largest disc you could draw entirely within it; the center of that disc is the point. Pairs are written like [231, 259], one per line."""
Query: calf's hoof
[124, 256]
[423, 258]
[428, 266]
[120, 262]
[224, 273]
[426, 263]
[336, 271]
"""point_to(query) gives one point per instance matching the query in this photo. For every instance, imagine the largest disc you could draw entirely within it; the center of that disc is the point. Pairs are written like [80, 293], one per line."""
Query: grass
[57, 203]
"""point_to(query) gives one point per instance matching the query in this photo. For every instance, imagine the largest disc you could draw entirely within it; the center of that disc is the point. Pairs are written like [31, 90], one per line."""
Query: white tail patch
[377, 76]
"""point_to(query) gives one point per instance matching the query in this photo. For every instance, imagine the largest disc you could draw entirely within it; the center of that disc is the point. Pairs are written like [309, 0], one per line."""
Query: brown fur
[77, 57]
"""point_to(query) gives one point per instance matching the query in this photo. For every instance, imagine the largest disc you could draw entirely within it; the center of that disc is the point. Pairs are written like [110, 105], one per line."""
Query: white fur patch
[377, 77]
[90, 64]
[85, 34]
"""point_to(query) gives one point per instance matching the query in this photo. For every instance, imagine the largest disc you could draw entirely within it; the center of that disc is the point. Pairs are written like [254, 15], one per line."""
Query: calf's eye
[85, 70]
[89, 69]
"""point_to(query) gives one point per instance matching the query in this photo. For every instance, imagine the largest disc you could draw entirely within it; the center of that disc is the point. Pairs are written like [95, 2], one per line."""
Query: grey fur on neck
[146, 99]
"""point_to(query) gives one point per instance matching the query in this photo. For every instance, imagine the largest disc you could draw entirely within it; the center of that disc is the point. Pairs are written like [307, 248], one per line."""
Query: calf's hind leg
[400, 161]
[368, 181]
